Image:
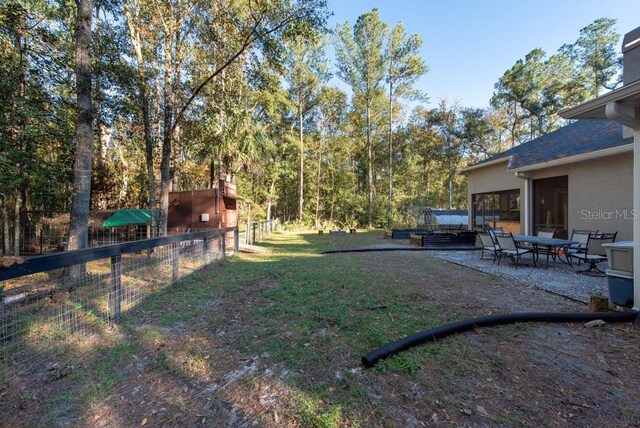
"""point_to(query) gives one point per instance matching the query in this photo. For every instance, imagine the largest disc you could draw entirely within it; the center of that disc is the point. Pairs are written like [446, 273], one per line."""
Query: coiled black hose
[433, 334]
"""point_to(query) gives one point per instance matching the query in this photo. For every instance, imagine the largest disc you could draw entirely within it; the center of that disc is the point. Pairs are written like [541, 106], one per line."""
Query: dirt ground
[275, 340]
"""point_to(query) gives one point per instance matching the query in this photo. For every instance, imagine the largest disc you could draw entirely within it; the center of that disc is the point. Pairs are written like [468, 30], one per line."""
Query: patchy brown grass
[275, 340]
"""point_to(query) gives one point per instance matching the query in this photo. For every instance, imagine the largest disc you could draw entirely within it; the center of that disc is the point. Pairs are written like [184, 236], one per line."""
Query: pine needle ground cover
[276, 339]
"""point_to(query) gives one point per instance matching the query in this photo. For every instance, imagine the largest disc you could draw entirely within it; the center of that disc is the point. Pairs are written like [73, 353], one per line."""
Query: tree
[404, 67]
[331, 110]
[360, 64]
[137, 15]
[306, 70]
[80, 203]
[533, 91]
[446, 121]
[255, 22]
[595, 53]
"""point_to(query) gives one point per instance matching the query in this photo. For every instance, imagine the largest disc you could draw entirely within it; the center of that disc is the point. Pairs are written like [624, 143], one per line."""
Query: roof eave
[483, 164]
[628, 96]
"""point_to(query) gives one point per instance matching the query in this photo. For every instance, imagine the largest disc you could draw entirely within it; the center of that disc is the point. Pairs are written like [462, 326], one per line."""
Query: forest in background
[182, 93]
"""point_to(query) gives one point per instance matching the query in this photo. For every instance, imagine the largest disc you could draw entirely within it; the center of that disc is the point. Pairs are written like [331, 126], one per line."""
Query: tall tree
[361, 64]
[595, 52]
[331, 110]
[255, 22]
[137, 15]
[446, 120]
[80, 204]
[306, 70]
[404, 67]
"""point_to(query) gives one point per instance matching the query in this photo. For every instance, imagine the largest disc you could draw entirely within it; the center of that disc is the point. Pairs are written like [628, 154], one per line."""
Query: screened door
[551, 204]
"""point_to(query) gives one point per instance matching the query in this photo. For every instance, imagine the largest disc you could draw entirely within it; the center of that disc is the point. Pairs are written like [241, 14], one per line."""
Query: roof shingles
[578, 138]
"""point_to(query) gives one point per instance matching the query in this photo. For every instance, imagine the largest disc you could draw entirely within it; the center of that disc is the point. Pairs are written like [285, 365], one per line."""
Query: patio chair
[492, 231]
[545, 250]
[594, 252]
[509, 248]
[488, 245]
[547, 232]
[581, 237]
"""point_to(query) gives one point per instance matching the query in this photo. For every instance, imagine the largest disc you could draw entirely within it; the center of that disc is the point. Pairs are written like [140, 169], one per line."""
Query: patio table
[552, 244]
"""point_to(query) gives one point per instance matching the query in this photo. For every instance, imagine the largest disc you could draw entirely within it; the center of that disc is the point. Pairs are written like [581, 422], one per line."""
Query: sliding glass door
[497, 209]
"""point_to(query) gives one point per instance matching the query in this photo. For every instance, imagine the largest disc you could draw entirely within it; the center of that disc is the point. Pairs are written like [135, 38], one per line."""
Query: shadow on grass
[275, 342]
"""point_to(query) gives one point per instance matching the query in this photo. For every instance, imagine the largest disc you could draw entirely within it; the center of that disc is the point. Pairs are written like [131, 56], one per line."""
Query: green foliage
[244, 90]
[537, 87]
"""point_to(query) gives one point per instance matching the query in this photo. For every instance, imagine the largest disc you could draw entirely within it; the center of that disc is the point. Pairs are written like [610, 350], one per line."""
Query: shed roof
[579, 138]
[136, 217]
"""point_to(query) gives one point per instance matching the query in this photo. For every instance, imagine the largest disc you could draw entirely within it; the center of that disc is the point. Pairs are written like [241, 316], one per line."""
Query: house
[585, 175]
[623, 106]
[577, 177]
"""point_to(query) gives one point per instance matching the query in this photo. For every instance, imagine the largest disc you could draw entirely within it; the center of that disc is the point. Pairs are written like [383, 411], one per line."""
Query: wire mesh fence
[47, 239]
[258, 230]
[44, 314]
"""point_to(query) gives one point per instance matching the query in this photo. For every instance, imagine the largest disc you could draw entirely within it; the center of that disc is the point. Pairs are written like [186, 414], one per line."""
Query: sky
[468, 45]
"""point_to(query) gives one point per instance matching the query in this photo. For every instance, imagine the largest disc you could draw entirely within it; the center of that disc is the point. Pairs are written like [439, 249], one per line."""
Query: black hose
[436, 333]
[368, 250]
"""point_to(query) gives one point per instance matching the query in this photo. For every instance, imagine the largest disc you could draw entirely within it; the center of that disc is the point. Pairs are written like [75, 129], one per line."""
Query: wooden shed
[193, 210]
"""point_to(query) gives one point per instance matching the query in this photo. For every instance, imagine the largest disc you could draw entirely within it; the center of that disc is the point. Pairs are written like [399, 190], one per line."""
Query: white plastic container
[620, 272]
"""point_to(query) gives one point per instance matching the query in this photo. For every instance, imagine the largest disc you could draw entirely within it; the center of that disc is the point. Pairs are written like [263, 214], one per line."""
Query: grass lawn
[276, 339]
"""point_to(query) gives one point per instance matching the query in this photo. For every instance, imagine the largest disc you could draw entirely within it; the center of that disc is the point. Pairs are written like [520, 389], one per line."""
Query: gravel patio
[559, 278]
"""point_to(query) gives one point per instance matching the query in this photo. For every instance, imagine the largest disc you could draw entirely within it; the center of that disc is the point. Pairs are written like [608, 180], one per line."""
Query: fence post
[175, 261]
[236, 240]
[253, 232]
[116, 287]
[248, 233]
[207, 250]
[224, 245]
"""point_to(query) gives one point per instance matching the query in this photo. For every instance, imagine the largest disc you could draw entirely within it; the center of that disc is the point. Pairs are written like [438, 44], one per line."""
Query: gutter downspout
[614, 112]
[525, 211]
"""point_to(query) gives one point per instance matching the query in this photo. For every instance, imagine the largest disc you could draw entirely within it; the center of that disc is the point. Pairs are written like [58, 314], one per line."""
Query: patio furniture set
[584, 246]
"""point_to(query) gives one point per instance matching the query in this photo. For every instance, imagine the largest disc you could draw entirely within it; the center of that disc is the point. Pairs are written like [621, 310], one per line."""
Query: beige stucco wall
[600, 191]
[492, 178]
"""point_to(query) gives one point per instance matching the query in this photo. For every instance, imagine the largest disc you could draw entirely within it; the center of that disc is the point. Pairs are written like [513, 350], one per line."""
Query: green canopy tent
[128, 218]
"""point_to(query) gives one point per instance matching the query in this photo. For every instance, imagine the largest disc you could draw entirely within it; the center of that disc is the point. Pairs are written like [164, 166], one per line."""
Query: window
[493, 207]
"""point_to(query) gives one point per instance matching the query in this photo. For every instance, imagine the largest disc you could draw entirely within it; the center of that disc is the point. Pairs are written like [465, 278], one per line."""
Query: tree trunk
[333, 196]
[390, 220]
[16, 226]
[450, 186]
[80, 202]
[319, 176]
[426, 172]
[5, 230]
[272, 188]
[217, 186]
[167, 140]
[301, 165]
[212, 173]
[369, 167]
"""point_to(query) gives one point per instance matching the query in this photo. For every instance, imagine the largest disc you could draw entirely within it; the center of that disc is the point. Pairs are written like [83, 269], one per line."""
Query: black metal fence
[51, 302]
